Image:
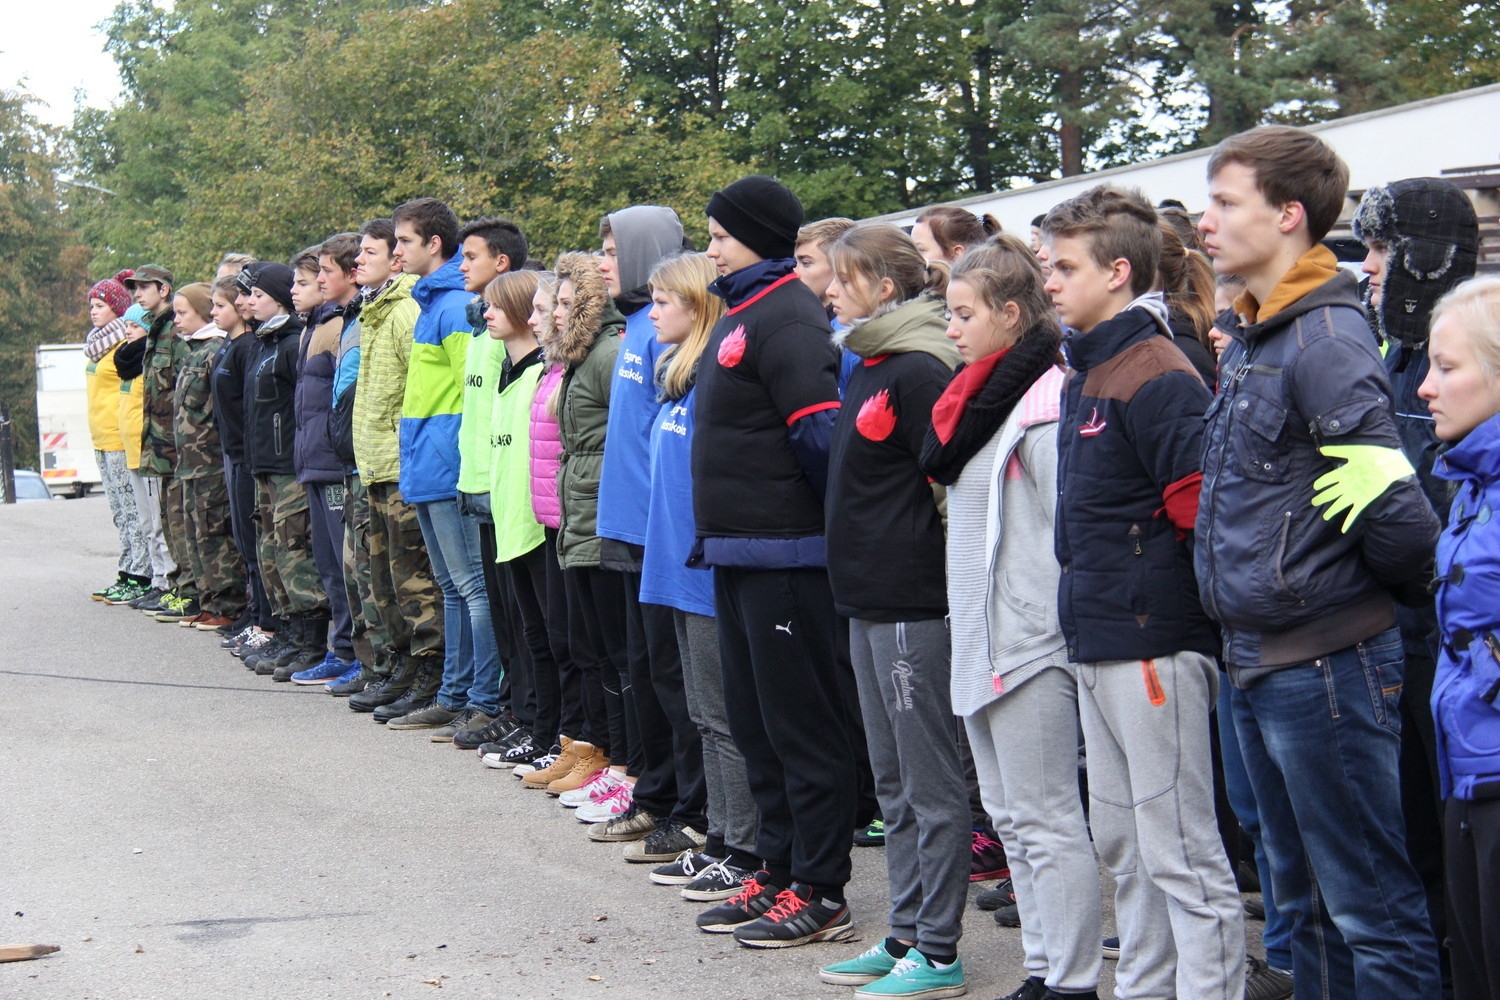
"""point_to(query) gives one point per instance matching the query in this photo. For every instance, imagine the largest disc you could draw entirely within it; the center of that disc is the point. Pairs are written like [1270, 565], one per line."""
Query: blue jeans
[471, 658]
[1276, 937]
[1321, 743]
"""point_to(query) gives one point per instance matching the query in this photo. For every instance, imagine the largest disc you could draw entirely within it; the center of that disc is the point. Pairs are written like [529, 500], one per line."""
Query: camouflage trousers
[372, 632]
[174, 526]
[402, 586]
[283, 541]
[216, 563]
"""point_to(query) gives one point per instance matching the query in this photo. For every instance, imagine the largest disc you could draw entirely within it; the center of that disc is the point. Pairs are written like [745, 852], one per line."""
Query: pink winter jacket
[546, 446]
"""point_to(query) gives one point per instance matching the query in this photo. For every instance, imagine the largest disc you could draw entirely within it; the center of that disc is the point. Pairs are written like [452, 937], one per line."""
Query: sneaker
[1034, 988]
[1112, 949]
[519, 752]
[614, 803]
[193, 621]
[1266, 982]
[209, 622]
[986, 859]
[180, 611]
[864, 968]
[351, 681]
[716, 882]
[499, 730]
[756, 895]
[151, 595]
[1008, 916]
[683, 869]
[236, 637]
[234, 627]
[871, 836]
[670, 840]
[998, 895]
[1255, 908]
[253, 643]
[127, 593]
[915, 976]
[596, 788]
[330, 668]
[107, 589]
[797, 918]
[470, 719]
[429, 716]
[524, 768]
[635, 824]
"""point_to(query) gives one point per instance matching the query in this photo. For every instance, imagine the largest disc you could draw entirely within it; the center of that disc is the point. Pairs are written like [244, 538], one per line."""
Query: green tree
[43, 276]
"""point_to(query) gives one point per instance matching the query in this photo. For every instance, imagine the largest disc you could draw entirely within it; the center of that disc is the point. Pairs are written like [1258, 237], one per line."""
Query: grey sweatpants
[903, 672]
[1151, 793]
[1025, 747]
[732, 817]
[148, 492]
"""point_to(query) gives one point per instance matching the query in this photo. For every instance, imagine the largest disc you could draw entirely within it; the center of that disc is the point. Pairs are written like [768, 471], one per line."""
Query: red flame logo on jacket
[732, 347]
[876, 419]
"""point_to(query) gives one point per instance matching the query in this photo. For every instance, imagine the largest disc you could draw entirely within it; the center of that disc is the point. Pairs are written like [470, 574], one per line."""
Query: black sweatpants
[572, 720]
[596, 635]
[671, 777]
[782, 693]
[527, 575]
[1472, 832]
[517, 690]
[242, 528]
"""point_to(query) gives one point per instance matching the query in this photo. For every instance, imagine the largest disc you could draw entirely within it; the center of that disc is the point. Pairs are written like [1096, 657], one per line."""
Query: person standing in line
[129, 360]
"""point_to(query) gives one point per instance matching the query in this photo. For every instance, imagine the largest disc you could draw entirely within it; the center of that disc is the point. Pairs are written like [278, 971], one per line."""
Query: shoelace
[982, 843]
[619, 792]
[749, 889]
[788, 904]
[903, 966]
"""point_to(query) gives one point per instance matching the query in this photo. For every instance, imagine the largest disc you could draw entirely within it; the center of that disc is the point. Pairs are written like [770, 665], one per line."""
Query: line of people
[835, 530]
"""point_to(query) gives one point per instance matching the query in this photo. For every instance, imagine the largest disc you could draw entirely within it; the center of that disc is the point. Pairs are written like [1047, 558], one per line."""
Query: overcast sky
[51, 49]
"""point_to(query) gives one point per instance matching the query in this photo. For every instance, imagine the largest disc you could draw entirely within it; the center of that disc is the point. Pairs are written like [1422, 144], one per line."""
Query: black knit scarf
[980, 398]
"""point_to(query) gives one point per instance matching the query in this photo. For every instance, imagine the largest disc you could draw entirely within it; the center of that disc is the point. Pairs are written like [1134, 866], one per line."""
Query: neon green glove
[1367, 472]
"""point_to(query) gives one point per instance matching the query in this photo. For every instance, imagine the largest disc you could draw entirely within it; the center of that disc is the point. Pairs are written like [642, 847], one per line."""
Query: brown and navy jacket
[1129, 446]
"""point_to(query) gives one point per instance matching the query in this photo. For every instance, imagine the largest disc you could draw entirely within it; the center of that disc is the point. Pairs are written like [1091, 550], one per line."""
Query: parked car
[31, 486]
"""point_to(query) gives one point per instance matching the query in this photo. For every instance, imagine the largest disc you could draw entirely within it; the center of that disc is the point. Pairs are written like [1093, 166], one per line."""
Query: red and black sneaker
[798, 918]
[756, 896]
[987, 859]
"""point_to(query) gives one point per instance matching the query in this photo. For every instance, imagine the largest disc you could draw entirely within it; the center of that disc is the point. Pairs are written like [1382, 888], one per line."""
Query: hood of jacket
[593, 314]
[643, 235]
[444, 279]
[919, 324]
[1341, 289]
[385, 299]
[279, 327]
[1431, 235]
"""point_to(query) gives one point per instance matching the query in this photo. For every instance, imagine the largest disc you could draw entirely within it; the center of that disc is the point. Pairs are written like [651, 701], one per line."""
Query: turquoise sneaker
[914, 977]
[863, 969]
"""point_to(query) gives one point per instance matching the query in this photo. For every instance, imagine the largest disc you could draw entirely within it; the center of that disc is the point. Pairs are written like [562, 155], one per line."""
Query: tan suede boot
[589, 760]
[560, 767]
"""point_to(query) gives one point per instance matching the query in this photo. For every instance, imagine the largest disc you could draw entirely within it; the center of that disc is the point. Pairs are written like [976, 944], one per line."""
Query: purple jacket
[546, 452]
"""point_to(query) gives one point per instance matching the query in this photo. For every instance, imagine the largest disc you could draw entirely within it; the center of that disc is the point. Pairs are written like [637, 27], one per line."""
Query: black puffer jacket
[270, 397]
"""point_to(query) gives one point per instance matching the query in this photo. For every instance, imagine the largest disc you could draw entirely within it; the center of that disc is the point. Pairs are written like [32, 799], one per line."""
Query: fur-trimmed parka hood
[593, 314]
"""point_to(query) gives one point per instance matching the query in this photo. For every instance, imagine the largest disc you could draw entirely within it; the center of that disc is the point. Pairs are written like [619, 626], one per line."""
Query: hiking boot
[616, 800]
[329, 669]
[263, 660]
[588, 761]
[421, 689]
[1034, 988]
[916, 976]
[596, 788]
[469, 720]
[560, 765]
[798, 917]
[683, 869]
[350, 682]
[986, 859]
[634, 824]
[719, 881]
[670, 840]
[863, 968]
[871, 836]
[1265, 982]
[377, 694]
[497, 730]
[432, 715]
[755, 896]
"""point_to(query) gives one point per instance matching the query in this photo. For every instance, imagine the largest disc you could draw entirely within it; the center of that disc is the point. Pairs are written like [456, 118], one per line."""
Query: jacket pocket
[1283, 547]
[276, 433]
[1256, 440]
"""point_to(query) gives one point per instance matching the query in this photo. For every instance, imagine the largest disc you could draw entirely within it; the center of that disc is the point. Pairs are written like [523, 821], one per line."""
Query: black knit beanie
[276, 281]
[761, 213]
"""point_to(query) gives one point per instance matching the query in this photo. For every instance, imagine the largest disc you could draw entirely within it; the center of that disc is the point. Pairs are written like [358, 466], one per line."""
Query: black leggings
[596, 635]
[528, 582]
[571, 719]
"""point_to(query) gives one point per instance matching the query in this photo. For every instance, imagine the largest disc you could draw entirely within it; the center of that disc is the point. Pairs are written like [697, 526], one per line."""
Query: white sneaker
[614, 803]
[522, 770]
[590, 791]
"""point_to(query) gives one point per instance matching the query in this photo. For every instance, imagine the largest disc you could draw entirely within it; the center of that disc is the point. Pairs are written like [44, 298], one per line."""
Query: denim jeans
[1321, 743]
[471, 660]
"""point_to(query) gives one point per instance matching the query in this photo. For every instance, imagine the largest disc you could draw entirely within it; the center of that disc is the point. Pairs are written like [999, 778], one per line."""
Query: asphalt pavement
[185, 829]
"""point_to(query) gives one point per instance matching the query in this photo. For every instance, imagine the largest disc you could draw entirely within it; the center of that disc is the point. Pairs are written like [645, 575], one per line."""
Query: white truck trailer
[62, 420]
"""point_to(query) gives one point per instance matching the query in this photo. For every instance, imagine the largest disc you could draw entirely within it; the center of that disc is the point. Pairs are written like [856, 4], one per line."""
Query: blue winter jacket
[625, 483]
[1466, 693]
[433, 405]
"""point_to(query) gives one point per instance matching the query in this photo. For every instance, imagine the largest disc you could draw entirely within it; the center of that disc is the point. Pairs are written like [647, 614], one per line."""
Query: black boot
[312, 646]
[384, 690]
[426, 680]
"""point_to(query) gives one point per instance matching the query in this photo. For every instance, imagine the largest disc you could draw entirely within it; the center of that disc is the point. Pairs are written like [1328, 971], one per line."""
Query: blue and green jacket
[433, 405]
